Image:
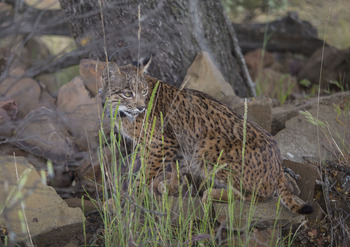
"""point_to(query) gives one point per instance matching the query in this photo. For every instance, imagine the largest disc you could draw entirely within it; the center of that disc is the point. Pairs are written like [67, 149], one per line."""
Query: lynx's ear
[144, 68]
[111, 73]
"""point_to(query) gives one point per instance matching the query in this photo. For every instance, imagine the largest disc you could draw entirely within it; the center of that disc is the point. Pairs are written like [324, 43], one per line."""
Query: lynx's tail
[288, 200]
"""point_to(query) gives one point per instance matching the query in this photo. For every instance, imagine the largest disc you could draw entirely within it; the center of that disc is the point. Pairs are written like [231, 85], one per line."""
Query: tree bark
[172, 31]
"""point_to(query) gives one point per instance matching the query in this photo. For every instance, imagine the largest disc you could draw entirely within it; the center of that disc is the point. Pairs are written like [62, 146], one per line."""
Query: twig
[337, 167]
[142, 208]
[325, 189]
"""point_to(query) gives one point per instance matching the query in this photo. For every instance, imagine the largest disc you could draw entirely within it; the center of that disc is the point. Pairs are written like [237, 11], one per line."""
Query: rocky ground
[41, 121]
[35, 127]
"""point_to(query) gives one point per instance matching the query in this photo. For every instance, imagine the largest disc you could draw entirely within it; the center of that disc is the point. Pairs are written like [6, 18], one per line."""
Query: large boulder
[44, 213]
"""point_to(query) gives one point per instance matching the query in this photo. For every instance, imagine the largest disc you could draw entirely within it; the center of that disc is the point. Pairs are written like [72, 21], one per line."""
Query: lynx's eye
[128, 94]
[144, 92]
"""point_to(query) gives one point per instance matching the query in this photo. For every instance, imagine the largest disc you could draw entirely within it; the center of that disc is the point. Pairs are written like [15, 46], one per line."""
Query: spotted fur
[194, 131]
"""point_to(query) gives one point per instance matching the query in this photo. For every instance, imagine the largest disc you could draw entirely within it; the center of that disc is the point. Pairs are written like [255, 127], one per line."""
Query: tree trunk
[172, 31]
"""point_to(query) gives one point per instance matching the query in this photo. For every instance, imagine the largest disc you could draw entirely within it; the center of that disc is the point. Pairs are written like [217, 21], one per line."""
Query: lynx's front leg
[221, 194]
[162, 168]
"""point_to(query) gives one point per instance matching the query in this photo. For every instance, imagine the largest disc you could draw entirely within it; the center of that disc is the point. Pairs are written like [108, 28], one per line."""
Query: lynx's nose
[141, 108]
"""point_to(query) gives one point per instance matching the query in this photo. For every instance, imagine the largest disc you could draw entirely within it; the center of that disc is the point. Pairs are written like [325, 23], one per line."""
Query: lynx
[195, 133]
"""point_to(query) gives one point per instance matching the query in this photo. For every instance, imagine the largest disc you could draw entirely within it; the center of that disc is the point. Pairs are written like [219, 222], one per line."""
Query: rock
[335, 67]
[284, 63]
[233, 102]
[257, 60]
[273, 73]
[41, 133]
[70, 244]
[47, 215]
[42, 53]
[46, 100]
[262, 216]
[286, 34]
[203, 76]
[283, 113]
[45, 5]
[277, 85]
[264, 237]
[8, 112]
[25, 91]
[300, 138]
[88, 172]
[308, 174]
[253, 238]
[259, 109]
[191, 208]
[91, 72]
[38, 162]
[49, 83]
[88, 206]
[80, 112]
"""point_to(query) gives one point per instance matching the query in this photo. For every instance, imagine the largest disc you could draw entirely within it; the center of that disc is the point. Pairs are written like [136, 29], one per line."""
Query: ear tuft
[144, 68]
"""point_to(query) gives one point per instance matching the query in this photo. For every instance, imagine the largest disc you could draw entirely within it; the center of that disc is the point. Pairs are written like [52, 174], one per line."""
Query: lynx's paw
[220, 195]
[168, 186]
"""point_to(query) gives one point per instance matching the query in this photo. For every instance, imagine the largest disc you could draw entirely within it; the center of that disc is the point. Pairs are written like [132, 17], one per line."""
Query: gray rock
[308, 174]
[263, 215]
[283, 113]
[301, 138]
[259, 111]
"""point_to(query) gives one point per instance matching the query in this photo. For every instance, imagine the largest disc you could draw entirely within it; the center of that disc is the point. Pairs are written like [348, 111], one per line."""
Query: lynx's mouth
[131, 114]
[124, 111]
